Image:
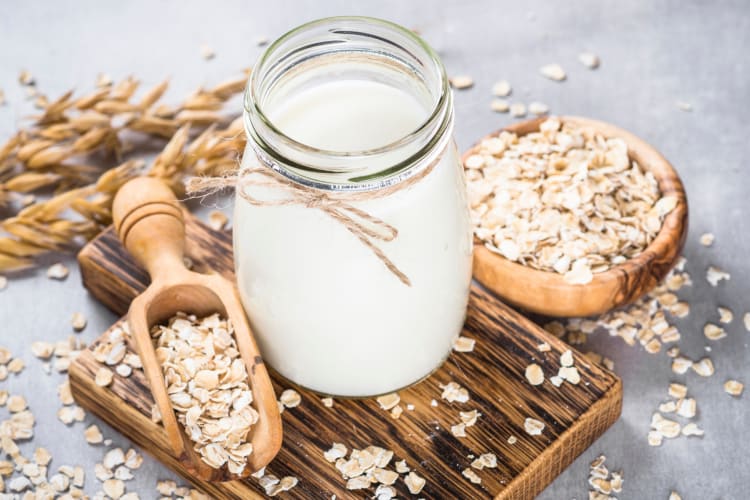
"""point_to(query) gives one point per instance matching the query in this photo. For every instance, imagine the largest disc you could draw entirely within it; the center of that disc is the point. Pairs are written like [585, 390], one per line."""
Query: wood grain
[547, 292]
[575, 415]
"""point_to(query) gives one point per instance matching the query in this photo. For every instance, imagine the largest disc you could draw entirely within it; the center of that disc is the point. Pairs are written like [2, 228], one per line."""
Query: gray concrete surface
[653, 54]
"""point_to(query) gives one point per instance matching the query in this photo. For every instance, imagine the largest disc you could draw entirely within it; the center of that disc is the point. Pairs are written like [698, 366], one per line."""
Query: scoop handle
[150, 224]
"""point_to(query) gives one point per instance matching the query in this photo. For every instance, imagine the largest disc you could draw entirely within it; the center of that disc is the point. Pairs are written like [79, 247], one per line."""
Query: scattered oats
[42, 457]
[544, 347]
[57, 271]
[93, 435]
[453, 392]
[518, 109]
[569, 373]
[113, 458]
[486, 460]
[123, 473]
[19, 484]
[667, 428]
[78, 321]
[166, 487]
[389, 401]
[502, 88]
[16, 365]
[680, 365]
[677, 391]
[703, 367]
[217, 220]
[469, 417]
[589, 59]
[538, 108]
[461, 82]
[533, 427]
[714, 275]
[534, 374]
[652, 346]
[471, 476]
[16, 404]
[713, 332]
[401, 467]
[686, 407]
[414, 482]
[707, 239]
[566, 358]
[103, 377]
[358, 483]
[26, 78]
[59, 482]
[556, 380]
[733, 387]
[396, 411]
[684, 106]
[463, 344]
[79, 476]
[261, 41]
[500, 105]
[512, 440]
[114, 488]
[433, 403]
[746, 321]
[64, 394]
[290, 398]
[327, 402]
[725, 315]
[680, 310]
[207, 52]
[124, 370]
[133, 460]
[553, 72]
[459, 430]
[130, 496]
[338, 450]
[42, 350]
[474, 162]
[692, 429]
[673, 495]
[410, 407]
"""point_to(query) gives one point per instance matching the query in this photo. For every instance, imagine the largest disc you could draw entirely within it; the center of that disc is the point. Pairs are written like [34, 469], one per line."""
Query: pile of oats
[603, 482]
[369, 467]
[207, 384]
[679, 405]
[565, 199]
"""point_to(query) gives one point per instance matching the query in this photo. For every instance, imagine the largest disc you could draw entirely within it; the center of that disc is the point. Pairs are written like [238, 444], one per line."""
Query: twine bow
[367, 228]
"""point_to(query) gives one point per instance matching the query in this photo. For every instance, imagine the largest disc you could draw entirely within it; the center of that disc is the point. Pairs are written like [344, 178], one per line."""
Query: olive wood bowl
[546, 292]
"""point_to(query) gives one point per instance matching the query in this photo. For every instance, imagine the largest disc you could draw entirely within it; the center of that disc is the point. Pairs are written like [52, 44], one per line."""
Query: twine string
[366, 227]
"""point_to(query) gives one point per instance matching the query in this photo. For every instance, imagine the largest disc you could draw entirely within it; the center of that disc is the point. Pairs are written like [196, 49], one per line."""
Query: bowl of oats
[572, 216]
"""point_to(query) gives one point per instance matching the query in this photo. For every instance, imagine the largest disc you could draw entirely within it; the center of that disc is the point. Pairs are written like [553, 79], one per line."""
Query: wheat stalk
[52, 154]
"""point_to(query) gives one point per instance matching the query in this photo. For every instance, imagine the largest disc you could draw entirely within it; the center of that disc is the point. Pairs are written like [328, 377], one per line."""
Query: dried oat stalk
[75, 148]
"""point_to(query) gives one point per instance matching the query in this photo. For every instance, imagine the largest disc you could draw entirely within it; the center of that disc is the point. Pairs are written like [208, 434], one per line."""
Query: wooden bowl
[546, 292]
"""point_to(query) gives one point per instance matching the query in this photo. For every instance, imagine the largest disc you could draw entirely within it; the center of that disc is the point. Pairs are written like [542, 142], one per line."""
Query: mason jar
[352, 238]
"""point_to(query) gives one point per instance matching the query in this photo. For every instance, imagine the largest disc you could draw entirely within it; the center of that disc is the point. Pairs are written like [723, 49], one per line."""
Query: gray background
[653, 54]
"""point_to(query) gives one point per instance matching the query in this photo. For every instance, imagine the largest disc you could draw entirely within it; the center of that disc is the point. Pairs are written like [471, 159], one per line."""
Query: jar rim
[439, 116]
[251, 91]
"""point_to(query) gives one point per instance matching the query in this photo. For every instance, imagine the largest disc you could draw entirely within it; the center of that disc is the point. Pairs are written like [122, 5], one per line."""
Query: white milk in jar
[351, 230]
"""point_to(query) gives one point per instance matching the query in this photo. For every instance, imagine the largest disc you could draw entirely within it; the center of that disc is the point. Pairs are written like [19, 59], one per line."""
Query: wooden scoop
[149, 222]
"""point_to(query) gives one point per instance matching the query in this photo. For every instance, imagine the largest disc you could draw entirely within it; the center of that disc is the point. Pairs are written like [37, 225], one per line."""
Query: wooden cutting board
[506, 342]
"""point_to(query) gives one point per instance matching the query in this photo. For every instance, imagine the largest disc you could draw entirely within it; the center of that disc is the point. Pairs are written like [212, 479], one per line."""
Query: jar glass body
[327, 311]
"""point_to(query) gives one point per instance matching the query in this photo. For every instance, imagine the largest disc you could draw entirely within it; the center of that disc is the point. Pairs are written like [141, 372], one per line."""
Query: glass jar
[352, 238]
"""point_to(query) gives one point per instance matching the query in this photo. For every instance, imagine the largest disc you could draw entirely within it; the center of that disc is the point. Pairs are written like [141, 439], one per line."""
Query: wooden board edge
[132, 424]
[546, 467]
